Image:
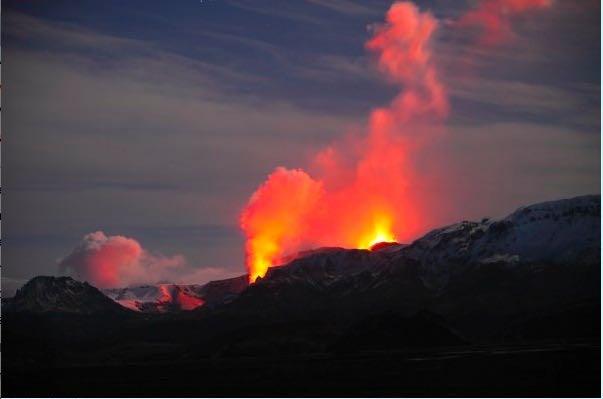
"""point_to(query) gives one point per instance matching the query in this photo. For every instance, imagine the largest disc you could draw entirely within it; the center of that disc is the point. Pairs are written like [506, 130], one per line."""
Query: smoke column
[369, 189]
[362, 192]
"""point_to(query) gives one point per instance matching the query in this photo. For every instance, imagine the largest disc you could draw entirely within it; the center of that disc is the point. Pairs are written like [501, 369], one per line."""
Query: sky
[157, 120]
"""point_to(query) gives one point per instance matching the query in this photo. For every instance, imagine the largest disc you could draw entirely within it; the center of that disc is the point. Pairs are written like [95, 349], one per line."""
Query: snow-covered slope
[161, 298]
[157, 298]
[564, 231]
[555, 232]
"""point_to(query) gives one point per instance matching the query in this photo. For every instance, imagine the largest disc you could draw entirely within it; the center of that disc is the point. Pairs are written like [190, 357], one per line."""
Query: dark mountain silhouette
[61, 295]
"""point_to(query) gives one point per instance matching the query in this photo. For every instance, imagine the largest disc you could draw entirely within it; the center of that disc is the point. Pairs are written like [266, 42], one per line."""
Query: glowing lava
[382, 232]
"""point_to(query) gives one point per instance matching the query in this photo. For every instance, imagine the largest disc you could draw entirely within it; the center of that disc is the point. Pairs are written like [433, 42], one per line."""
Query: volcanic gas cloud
[117, 261]
[368, 189]
[363, 192]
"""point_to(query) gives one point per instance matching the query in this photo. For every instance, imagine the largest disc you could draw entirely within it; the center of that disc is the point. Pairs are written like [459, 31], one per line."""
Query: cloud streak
[493, 18]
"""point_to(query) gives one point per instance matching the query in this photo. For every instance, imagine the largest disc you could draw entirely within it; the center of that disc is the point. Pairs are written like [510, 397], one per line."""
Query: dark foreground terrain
[556, 354]
[531, 370]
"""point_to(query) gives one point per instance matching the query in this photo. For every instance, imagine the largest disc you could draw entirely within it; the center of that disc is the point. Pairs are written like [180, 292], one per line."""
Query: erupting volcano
[363, 190]
[367, 188]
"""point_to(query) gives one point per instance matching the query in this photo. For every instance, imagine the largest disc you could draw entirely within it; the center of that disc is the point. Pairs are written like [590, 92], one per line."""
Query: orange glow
[381, 233]
[188, 302]
[364, 190]
[274, 217]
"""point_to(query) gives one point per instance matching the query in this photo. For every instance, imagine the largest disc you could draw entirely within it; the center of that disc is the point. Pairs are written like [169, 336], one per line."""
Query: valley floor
[529, 370]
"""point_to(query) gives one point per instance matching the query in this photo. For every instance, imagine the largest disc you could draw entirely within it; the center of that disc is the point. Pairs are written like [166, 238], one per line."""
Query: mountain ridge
[162, 298]
[548, 234]
[45, 294]
[527, 310]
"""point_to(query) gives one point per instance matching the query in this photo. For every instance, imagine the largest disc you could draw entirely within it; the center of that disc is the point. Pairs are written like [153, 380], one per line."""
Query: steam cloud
[365, 189]
[368, 188]
[117, 261]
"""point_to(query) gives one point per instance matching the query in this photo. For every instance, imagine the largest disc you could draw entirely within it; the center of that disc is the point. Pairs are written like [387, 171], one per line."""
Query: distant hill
[61, 295]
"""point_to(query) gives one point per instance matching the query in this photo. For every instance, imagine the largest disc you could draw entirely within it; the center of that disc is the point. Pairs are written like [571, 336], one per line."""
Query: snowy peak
[62, 294]
[556, 232]
[567, 229]
[158, 298]
[553, 231]
[162, 298]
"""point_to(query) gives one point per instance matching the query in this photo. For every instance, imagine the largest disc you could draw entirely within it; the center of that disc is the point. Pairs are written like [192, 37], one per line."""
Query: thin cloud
[348, 7]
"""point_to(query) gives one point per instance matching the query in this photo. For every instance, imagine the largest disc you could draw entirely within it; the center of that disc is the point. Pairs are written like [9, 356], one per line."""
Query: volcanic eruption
[367, 189]
[363, 191]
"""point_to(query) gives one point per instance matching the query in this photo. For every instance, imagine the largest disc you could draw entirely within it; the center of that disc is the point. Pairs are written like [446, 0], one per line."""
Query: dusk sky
[158, 120]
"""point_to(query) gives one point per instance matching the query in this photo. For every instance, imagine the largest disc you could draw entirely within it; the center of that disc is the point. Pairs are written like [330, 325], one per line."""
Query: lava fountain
[366, 191]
